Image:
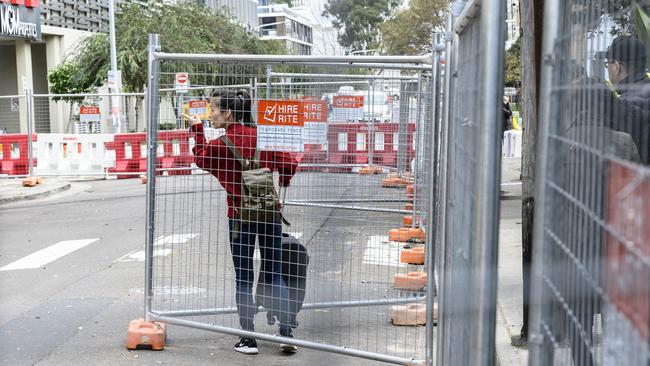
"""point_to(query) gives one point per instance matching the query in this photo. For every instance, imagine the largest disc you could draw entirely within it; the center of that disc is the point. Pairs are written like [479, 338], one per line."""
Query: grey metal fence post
[535, 335]
[444, 255]
[485, 255]
[269, 73]
[29, 109]
[153, 75]
[432, 202]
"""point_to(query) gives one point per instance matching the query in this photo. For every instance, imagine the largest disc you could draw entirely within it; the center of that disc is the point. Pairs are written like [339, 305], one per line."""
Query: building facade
[26, 57]
[243, 12]
[513, 24]
[279, 21]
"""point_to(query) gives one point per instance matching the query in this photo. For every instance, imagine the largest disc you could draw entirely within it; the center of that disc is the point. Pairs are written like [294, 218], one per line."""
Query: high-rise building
[279, 21]
[513, 24]
[243, 12]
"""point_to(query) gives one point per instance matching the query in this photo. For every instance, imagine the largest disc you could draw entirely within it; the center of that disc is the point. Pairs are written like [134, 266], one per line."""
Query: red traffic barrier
[14, 154]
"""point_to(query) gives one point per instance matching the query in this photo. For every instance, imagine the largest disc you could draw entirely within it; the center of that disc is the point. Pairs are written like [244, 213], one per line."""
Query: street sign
[89, 113]
[115, 80]
[15, 105]
[182, 84]
[280, 125]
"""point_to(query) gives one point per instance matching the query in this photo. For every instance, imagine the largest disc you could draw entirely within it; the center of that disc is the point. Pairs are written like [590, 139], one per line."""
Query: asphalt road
[74, 309]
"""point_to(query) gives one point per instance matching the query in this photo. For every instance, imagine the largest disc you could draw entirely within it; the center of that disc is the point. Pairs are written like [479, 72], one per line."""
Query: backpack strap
[245, 164]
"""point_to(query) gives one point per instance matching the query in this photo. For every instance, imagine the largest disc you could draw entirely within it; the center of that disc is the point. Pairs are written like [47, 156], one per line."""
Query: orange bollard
[146, 334]
[412, 256]
[411, 281]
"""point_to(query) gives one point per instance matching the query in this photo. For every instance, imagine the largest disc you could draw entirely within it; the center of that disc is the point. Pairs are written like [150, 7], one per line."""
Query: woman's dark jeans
[242, 248]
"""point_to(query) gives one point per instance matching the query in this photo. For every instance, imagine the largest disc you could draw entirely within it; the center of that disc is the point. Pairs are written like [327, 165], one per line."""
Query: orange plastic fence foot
[410, 189]
[143, 179]
[31, 181]
[412, 281]
[146, 334]
[406, 234]
[412, 314]
[370, 170]
[408, 220]
[412, 256]
[408, 207]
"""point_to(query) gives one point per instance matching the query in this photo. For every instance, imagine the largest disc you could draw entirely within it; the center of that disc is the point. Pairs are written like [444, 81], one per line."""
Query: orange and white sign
[89, 113]
[348, 101]
[280, 125]
[315, 131]
[315, 110]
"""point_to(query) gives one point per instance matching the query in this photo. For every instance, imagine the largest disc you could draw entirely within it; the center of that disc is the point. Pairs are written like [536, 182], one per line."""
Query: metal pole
[535, 334]
[485, 255]
[444, 254]
[418, 145]
[371, 124]
[431, 212]
[29, 103]
[111, 27]
[152, 142]
[278, 339]
[269, 74]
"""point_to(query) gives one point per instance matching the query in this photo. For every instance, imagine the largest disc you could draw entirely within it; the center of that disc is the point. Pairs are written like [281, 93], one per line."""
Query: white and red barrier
[125, 155]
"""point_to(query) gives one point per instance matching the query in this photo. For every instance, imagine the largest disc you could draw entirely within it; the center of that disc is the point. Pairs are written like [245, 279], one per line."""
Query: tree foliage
[358, 21]
[512, 75]
[186, 27]
[409, 31]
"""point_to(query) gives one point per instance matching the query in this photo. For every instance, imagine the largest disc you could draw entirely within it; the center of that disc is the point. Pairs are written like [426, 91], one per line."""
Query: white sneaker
[247, 346]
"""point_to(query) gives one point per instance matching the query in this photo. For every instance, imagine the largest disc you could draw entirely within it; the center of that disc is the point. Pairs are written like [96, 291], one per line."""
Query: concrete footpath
[510, 295]
[509, 310]
[11, 189]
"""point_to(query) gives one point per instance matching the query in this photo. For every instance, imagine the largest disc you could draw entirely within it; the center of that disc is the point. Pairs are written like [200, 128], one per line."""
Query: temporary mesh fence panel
[322, 136]
[591, 260]
[470, 176]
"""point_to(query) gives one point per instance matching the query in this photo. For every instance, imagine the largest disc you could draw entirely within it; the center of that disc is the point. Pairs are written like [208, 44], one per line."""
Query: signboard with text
[280, 125]
[20, 19]
[348, 101]
[315, 112]
[89, 114]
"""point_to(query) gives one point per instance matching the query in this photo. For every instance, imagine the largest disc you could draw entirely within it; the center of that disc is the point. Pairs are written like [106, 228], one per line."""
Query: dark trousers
[242, 247]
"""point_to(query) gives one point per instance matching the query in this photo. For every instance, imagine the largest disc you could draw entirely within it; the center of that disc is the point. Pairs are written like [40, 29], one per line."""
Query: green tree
[358, 21]
[409, 31]
[184, 27]
[512, 75]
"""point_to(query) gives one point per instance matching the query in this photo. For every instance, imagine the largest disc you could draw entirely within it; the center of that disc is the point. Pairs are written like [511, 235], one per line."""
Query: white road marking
[49, 254]
[162, 247]
[382, 252]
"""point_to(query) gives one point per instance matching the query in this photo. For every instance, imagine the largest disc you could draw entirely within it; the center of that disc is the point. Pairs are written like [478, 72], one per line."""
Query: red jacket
[217, 159]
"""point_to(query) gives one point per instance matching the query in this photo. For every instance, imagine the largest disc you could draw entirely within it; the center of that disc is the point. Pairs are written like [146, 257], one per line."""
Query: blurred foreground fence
[591, 256]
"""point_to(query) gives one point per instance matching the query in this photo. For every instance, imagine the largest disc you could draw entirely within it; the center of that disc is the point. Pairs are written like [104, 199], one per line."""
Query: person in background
[507, 114]
[626, 68]
[232, 111]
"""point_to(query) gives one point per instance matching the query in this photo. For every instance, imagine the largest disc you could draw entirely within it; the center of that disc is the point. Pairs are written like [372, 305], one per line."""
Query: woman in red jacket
[232, 111]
